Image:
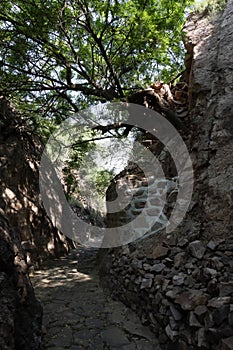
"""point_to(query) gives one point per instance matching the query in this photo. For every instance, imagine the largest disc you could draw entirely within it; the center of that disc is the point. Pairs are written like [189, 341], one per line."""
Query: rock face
[26, 234]
[181, 284]
[211, 120]
[20, 312]
[20, 153]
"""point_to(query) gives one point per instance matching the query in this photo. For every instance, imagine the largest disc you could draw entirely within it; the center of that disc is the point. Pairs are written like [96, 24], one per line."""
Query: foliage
[84, 178]
[77, 155]
[102, 181]
[212, 6]
[60, 56]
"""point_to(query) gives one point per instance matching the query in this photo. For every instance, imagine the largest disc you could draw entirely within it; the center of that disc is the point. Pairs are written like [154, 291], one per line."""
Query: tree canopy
[59, 56]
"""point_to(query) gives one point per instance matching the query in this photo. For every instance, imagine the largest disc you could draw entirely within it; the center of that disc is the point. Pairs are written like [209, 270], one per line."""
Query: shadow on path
[77, 313]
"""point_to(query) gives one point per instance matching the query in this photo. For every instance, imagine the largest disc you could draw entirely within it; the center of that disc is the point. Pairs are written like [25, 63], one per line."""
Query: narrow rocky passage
[77, 313]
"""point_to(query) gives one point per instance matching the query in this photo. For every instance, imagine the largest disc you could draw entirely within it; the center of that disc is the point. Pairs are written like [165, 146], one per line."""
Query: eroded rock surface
[211, 143]
[20, 311]
[26, 234]
[20, 153]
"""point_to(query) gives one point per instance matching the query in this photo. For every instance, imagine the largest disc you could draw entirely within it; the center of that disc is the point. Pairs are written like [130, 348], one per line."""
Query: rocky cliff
[182, 284]
[20, 311]
[27, 236]
[211, 112]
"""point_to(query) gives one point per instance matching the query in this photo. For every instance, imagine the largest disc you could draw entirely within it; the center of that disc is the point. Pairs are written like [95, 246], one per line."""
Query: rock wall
[182, 284]
[182, 289]
[20, 311]
[27, 236]
[134, 188]
[20, 153]
[211, 142]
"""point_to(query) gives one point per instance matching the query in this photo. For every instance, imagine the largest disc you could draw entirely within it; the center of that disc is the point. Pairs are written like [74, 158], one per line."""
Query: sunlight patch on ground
[57, 277]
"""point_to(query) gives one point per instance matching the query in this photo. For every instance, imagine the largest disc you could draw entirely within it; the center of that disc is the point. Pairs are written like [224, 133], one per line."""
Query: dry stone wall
[182, 289]
[140, 198]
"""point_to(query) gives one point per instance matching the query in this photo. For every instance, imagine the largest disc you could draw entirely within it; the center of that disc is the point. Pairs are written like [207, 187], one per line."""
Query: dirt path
[78, 315]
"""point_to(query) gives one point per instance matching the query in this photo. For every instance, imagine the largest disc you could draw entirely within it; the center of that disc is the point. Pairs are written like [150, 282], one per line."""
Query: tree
[59, 56]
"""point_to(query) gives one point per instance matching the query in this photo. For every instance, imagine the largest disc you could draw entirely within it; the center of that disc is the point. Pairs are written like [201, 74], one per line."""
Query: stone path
[77, 313]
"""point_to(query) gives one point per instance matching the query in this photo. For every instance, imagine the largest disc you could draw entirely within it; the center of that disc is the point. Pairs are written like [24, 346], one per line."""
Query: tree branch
[104, 54]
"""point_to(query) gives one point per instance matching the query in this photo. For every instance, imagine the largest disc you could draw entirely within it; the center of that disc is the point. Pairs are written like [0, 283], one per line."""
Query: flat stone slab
[115, 337]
